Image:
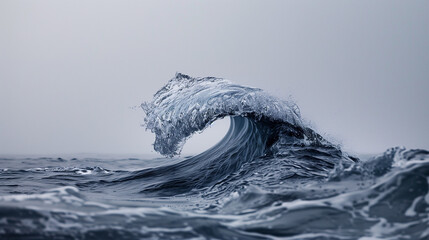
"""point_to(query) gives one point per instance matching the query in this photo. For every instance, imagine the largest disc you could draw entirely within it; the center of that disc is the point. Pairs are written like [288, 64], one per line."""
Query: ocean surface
[271, 177]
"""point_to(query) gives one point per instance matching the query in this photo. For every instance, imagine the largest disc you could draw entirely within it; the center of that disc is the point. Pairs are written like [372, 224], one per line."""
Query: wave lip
[186, 105]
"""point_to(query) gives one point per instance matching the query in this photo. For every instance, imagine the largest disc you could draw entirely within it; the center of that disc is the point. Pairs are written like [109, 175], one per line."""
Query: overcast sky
[71, 71]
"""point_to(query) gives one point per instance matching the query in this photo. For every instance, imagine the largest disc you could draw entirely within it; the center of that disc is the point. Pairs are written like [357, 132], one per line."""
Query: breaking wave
[270, 177]
[262, 126]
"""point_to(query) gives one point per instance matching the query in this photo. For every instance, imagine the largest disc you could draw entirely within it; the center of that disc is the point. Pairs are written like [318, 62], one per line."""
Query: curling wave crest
[270, 177]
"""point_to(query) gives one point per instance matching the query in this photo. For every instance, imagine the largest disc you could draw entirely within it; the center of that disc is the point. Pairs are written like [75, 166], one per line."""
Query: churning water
[270, 177]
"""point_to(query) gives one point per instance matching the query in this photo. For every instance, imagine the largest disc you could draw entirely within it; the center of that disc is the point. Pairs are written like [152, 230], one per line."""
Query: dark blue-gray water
[270, 177]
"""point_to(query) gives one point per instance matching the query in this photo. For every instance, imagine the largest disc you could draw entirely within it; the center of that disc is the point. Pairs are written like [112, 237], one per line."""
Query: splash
[270, 177]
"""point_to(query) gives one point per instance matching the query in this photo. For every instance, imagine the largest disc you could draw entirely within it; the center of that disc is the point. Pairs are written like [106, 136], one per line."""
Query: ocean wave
[270, 177]
[265, 131]
[187, 105]
[393, 206]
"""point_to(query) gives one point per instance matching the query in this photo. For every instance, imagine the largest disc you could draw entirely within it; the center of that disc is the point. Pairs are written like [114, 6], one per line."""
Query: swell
[394, 206]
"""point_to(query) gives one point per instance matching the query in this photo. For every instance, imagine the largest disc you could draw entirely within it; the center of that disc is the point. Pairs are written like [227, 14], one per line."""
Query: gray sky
[71, 70]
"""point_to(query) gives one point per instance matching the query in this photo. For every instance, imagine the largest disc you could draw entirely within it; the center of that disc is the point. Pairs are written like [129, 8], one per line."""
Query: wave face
[270, 177]
[261, 126]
